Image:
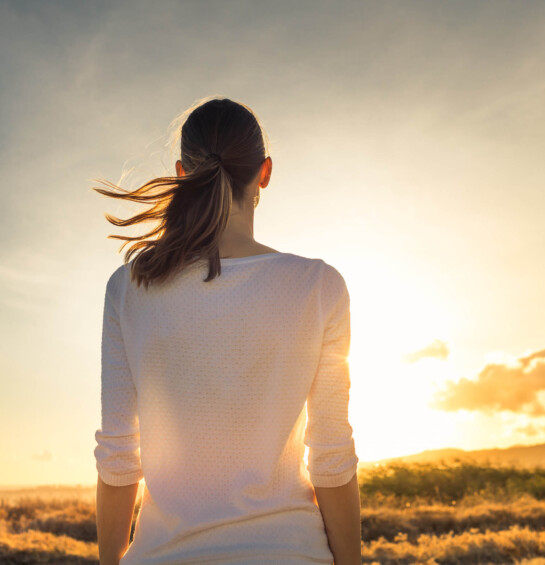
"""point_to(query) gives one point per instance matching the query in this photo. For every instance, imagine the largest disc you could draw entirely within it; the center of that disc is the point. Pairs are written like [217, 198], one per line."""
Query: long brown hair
[191, 211]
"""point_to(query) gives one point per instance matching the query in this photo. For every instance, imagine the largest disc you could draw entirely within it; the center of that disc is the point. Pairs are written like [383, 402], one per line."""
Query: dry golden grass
[474, 530]
[33, 546]
[477, 531]
[35, 530]
[472, 546]
[387, 520]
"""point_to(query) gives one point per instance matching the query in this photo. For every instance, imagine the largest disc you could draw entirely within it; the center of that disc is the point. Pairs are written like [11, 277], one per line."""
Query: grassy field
[417, 513]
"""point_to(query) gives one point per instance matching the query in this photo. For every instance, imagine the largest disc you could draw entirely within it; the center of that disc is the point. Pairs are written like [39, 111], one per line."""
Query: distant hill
[520, 456]
[47, 492]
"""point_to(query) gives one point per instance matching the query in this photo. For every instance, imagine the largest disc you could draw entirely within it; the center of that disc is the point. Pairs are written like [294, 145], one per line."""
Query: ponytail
[192, 210]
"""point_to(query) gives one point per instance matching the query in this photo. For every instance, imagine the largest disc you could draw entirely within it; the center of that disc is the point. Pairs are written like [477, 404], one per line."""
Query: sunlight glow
[391, 318]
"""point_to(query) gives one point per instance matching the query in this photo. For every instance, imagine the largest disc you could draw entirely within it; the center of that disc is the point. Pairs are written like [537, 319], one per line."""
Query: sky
[407, 140]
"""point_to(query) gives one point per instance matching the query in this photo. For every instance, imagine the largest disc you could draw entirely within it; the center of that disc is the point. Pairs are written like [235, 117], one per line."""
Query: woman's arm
[114, 509]
[118, 439]
[340, 508]
[332, 458]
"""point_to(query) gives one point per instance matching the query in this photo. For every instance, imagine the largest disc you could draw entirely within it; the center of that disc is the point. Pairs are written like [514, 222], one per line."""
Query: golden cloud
[499, 387]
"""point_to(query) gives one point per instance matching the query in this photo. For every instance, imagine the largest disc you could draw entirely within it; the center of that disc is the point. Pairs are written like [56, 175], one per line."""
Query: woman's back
[205, 390]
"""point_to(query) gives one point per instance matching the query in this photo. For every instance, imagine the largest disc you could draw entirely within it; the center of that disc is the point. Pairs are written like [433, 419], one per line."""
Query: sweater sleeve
[332, 459]
[117, 452]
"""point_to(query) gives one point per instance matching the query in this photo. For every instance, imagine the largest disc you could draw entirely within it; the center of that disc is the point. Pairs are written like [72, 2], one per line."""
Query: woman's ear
[179, 169]
[266, 170]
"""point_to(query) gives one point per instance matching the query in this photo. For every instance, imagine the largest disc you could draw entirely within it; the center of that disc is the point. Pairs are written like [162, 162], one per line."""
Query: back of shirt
[206, 392]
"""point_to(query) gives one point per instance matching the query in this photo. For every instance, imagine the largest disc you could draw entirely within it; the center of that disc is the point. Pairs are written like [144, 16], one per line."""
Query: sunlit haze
[407, 141]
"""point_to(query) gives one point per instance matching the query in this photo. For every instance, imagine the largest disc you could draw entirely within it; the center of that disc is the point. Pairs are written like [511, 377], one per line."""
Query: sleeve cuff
[336, 480]
[117, 480]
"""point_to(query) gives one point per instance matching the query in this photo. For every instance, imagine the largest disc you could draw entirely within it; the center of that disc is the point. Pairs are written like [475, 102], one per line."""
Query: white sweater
[207, 388]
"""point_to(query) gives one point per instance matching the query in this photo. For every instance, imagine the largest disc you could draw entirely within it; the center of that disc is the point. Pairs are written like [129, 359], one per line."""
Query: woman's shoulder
[323, 273]
[326, 269]
[304, 262]
[118, 279]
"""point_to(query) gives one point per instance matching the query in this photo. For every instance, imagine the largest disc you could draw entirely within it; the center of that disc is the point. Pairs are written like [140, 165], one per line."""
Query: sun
[389, 397]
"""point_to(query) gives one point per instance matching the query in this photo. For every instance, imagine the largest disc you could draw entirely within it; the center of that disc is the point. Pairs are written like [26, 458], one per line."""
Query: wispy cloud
[29, 284]
[45, 455]
[437, 349]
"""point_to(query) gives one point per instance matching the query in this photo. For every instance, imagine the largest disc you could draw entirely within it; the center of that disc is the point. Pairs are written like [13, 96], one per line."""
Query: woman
[215, 351]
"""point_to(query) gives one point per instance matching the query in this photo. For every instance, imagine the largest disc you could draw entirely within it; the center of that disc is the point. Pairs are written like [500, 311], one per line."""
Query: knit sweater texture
[210, 393]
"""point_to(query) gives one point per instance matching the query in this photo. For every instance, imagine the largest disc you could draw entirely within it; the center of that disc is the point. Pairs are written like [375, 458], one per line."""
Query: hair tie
[215, 156]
